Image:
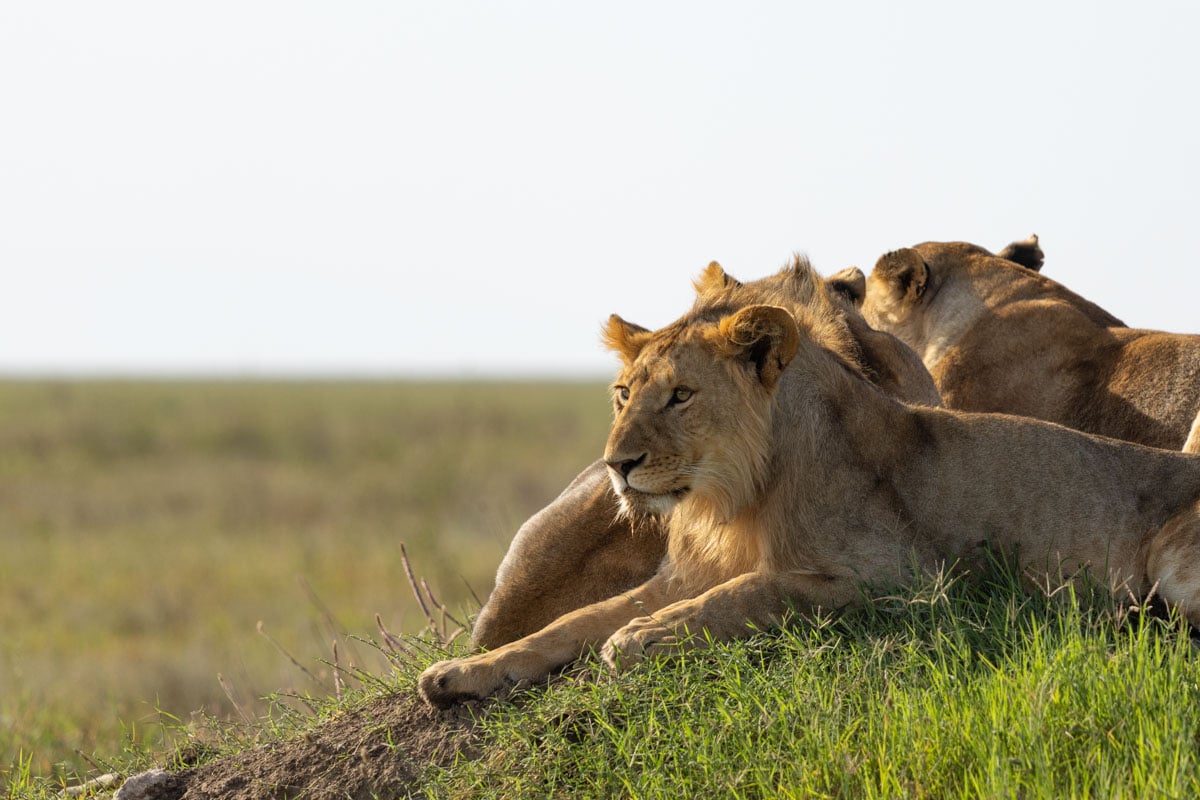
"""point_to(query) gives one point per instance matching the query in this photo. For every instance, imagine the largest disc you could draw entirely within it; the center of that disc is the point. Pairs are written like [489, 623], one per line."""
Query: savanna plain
[147, 529]
[179, 558]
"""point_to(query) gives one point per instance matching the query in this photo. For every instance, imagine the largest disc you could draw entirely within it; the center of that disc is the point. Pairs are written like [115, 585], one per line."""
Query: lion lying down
[580, 549]
[998, 336]
[791, 482]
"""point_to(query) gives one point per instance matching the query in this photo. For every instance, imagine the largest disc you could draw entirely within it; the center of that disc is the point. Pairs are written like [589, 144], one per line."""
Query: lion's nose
[625, 465]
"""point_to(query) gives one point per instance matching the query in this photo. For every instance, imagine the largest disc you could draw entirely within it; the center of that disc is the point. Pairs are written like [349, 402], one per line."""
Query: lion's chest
[704, 553]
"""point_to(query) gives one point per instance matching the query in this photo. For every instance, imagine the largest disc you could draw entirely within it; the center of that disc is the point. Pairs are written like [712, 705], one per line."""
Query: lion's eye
[622, 393]
[681, 395]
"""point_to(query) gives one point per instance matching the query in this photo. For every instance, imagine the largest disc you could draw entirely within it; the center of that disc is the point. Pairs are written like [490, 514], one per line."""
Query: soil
[378, 750]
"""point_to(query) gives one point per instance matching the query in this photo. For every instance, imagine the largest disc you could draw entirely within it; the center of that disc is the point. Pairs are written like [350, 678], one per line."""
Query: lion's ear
[713, 279]
[1027, 252]
[624, 338]
[765, 336]
[850, 283]
[905, 270]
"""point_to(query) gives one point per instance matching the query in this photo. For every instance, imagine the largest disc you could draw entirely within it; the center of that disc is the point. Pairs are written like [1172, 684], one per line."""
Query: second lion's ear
[905, 271]
[1027, 252]
[713, 279]
[850, 283]
[624, 338]
[764, 336]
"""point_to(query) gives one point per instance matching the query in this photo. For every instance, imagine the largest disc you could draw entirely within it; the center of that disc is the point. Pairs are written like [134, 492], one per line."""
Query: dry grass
[148, 528]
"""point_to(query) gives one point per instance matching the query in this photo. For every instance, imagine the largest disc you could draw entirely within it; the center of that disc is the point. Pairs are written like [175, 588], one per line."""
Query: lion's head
[681, 391]
[945, 285]
[693, 400]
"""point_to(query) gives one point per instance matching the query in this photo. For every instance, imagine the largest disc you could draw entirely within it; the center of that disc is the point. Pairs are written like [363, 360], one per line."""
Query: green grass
[147, 528]
[948, 692]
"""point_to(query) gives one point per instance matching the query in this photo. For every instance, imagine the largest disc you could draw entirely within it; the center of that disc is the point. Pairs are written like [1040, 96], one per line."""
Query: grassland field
[148, 527]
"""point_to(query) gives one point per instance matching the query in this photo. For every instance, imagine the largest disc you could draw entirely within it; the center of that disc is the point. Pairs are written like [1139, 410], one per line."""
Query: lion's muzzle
[623, 466]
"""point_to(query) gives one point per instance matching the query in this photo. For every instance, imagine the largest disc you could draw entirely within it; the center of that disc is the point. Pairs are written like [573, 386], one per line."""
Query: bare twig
[337, 674]
[394, 644]
[263, 632]
[438, 623]
[441, 607]
[236, 705]
[89, 760]
[335, 627]
[92, 786]
[471, 589]
[412, 581]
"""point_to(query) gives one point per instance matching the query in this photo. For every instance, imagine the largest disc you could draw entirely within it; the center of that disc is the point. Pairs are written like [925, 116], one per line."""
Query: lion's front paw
[442, 685]
[450, 682]
[638, 640]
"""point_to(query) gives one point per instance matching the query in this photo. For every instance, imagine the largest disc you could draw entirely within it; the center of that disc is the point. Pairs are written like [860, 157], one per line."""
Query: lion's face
[692, 407]
[667, 407]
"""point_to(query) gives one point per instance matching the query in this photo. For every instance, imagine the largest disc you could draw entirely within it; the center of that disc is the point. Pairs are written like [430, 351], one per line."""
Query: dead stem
[263, 632]
[337, 674]
[236, 705]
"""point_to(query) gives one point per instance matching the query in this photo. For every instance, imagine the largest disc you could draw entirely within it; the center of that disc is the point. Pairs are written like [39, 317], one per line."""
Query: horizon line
[300, 375]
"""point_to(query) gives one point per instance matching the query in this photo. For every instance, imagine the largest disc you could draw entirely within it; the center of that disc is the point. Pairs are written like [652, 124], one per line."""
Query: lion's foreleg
[732, 610]
[536, 656]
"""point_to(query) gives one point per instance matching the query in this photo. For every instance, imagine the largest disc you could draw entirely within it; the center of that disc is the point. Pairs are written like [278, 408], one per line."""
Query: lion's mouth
[674, 494]
[652, 502]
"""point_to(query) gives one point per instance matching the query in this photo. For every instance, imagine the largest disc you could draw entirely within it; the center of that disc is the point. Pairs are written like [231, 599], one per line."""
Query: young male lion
[998, 336]
[790, 481]
[580, 549]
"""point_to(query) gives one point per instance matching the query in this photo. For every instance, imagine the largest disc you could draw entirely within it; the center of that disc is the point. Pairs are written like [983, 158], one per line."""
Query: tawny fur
[580, 549]
[855, 489]
[998, 336]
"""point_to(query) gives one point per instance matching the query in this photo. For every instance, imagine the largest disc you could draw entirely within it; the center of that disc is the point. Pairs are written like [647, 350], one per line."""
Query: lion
[580, 549]
[998, 336]
[787, 481]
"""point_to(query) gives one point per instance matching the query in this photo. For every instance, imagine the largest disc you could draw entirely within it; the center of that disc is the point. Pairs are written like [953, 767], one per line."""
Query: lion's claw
[638, 640]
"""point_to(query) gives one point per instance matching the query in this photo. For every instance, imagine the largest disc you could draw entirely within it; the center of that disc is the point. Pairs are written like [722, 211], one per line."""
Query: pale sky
[447, 188]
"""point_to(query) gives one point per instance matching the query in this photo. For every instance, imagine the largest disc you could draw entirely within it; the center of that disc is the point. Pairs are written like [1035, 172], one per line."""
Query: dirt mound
[379, 749]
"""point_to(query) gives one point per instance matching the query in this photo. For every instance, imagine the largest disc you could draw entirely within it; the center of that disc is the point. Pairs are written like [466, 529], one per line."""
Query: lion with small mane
[580, 549]
[787, 480]
[998, 336]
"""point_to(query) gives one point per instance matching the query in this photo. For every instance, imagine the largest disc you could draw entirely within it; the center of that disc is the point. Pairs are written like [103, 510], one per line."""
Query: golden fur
[792, 481]
[998, 336]
[579, 549]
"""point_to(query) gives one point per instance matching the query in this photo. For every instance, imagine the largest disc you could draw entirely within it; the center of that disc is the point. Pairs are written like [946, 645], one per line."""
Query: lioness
[1001, 337]
[789, 480]
[580, 549]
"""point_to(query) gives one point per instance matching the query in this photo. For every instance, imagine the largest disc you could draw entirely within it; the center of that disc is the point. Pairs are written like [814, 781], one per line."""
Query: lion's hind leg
[1173, 562]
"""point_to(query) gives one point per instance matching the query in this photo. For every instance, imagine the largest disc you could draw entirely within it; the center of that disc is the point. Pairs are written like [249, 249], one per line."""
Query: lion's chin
[646, 504]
